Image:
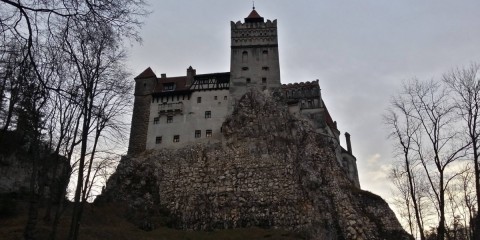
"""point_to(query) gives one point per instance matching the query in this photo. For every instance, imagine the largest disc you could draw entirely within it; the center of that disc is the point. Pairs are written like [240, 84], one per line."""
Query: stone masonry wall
[140, 118]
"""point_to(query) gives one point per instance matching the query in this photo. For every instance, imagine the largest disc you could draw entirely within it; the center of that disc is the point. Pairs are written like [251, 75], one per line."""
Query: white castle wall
[190, 119]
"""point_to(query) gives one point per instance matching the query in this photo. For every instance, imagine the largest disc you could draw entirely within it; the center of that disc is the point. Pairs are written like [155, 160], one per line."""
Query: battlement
[302, 90]
[249, 25]
[306, 84]
[254, 32]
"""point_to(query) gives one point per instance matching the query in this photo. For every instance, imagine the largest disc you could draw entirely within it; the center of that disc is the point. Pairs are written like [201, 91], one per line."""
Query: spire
[254, 16]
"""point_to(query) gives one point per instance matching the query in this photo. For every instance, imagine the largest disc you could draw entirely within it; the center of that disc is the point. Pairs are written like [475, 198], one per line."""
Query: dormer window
[169, 86]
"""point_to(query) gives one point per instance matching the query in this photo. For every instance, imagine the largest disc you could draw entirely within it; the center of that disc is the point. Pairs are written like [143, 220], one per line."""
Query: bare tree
[461, 199]
[404, 127]
[425, 128]
[39, 26]
[465, 84]
[96, 57]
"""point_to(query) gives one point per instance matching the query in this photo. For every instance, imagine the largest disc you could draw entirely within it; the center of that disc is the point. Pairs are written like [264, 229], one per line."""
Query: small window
[199, 99]
[176, 138]
[244, 57]
[169, 119]
[264, 80]
[155, 120]
[169, 86]
[158, 140]
[225, 98]
[265, 68]
[244, 68]
[208, 133]
[248, 80]
[208, 114]
[215, 98]
[198, 133]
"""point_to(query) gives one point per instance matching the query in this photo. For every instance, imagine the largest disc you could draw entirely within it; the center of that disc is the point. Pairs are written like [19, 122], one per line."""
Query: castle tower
[144, 86]
[254, 56]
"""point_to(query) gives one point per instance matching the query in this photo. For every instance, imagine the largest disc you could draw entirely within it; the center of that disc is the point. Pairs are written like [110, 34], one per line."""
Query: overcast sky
[361, 51]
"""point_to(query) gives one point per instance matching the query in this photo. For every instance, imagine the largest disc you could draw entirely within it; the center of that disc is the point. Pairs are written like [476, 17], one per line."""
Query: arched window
[244, 57]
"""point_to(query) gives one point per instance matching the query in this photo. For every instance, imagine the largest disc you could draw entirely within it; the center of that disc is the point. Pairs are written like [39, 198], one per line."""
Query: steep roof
[147, 73]
[180, 84]
[254, 17]
[254, 14]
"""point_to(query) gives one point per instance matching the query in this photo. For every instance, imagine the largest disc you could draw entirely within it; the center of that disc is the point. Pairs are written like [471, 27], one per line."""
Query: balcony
[170, 108]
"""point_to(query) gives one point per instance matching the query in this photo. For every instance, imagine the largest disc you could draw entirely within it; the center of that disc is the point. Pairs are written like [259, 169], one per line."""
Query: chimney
[164, 75]
[349, 144]
[190, 75]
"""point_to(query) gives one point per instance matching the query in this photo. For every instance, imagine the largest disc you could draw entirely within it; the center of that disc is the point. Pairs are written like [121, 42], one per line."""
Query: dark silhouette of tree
[404, 129]
[465, 87]
[73, 51]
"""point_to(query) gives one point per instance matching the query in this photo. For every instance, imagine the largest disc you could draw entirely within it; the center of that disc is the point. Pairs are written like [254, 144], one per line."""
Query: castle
[172, 112]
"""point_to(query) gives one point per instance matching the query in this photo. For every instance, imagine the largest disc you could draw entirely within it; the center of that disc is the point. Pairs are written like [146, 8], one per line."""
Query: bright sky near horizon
[360, 51]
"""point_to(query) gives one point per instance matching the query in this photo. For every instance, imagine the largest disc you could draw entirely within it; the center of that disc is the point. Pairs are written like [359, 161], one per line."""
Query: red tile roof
[147, 73]
[254, 17]
[180, 84]
[254, 14]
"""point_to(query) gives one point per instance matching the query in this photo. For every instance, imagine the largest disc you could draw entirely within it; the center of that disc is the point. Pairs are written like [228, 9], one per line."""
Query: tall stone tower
[144, 86]
[254, 58]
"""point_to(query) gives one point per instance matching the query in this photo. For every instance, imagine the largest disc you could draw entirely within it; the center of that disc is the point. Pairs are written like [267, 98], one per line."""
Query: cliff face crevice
[271, 170]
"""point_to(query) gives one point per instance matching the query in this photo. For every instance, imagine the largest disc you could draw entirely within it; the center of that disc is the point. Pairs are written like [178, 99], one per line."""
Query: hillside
[104, 222]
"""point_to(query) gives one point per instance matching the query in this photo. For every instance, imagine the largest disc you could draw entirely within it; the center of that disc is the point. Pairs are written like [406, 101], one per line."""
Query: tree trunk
[441, 206]
[414, 199]
[476, 224]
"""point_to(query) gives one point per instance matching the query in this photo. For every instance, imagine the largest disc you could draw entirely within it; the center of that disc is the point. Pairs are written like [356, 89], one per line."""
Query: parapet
[240, 25]
[306, 84]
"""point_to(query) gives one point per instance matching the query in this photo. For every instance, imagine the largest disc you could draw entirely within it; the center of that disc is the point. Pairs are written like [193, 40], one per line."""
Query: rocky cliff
[271, 170]
[16, 166]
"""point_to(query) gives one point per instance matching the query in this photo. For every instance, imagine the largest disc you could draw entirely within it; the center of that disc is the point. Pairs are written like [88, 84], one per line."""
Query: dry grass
[108, 222]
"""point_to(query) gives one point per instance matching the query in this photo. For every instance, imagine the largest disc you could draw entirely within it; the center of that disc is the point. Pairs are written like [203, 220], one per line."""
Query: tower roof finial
[254, 16]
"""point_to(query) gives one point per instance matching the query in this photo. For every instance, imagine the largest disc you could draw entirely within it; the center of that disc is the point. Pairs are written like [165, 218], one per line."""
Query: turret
[144, 86]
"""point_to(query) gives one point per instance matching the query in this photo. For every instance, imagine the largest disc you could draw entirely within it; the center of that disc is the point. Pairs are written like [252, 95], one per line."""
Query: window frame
[198, 133]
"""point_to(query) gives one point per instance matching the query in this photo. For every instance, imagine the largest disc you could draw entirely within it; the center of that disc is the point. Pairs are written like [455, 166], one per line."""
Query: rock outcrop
[271, 170]
[16, 166]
